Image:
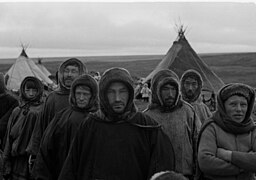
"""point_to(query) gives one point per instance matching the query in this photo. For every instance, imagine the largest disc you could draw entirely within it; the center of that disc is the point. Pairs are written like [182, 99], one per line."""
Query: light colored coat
[243, 147]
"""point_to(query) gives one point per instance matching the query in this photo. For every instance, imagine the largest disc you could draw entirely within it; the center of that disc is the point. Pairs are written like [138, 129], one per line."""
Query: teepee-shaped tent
[22, 68]
[182, 57]
[42, 67]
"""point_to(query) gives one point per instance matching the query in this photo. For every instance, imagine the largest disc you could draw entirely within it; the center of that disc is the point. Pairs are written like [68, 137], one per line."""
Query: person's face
[236, 108]
[69, 74]
[82, 96]
[168, 94]
[30, 92]
[118, 95]
[190, 86]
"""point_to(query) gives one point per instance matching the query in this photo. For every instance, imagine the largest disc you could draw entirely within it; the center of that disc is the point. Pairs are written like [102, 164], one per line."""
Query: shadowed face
[82, 96]
[190, 86]
[168, 94]
[30, 92]
[118, 95]
[69, 74]
[236, 108]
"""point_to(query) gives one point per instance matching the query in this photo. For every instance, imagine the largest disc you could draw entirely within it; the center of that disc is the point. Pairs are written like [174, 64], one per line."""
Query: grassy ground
[239, 67]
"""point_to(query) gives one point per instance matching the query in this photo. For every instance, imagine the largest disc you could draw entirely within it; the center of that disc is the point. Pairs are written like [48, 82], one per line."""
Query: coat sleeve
[162, 158]
[77, 157]
[4, 121]
[43, 164]
[246, 160]
[40, 126]
[208, 161]
[8, 145]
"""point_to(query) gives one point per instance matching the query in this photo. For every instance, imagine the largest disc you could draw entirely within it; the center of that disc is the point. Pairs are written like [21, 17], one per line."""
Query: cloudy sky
[130, 28]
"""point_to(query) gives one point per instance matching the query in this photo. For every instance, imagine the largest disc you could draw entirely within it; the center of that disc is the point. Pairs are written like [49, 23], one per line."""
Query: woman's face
[236, 108]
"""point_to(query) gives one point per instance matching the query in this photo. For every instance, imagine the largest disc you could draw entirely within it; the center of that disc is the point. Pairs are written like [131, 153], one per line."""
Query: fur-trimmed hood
[161, 78]
[116, 75]
[82, 70]
[39, 86]
[195, 75]
[89, 81]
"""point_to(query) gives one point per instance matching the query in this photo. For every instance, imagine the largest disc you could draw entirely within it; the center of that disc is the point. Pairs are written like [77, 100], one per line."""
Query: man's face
[236, 108]
[69, 74]
[190, 86]
[118, 95]
[30, 92]
[82, 96]
[168, 94]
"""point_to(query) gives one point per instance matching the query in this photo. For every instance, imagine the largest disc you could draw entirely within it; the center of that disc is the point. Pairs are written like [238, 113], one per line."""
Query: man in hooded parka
[60, 132]
[7, 103]
[117, 142]
[178, 119]
[191, 87]
[20, 128]
[56, 100]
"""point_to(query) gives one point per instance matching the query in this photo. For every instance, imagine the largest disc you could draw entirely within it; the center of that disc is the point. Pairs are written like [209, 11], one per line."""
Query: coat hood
[116, 75]
[195, 75]
[2, 84]
[38, 85]
[90, 82]
[82, 70]
[161, 78]
[220, 116]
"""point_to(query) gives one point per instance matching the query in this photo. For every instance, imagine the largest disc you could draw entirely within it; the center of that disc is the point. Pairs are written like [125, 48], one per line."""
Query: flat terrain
[232, 67]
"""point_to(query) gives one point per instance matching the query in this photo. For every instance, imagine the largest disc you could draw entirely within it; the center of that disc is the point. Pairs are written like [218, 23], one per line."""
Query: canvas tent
[42, 67]
[182, 57]
[23, 67]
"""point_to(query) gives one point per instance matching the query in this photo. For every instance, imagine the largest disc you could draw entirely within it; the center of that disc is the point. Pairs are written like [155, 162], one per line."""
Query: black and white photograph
[128, 90]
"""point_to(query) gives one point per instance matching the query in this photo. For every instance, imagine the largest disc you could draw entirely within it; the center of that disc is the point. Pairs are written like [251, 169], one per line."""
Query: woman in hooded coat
[227, 142]
[20, 128]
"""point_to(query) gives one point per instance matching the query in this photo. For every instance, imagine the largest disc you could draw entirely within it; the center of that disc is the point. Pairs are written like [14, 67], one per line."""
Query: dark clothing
[20, 128]
[111, 145]
[8, 103]
[133, 149]
[60, 132]
[55, 102]
[56, 142]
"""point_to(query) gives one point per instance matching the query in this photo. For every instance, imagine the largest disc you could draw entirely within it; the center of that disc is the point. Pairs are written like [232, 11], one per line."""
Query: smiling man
[118, 142]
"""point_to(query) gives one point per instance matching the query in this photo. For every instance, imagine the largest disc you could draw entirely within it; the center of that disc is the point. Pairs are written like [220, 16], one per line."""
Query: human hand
[224, 154]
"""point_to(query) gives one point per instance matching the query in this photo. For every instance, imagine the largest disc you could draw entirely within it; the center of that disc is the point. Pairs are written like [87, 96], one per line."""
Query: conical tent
[182, 57]
[43, 68]
[22, 68]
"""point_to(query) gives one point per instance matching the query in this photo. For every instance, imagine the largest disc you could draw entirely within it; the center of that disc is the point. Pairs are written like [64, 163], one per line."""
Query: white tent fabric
[43, 69]
[22, 68]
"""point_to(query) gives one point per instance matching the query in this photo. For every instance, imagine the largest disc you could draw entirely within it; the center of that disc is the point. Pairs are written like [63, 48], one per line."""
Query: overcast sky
[131, 28]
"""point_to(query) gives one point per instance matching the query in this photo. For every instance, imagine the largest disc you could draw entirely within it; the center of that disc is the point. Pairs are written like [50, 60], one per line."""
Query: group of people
[92, 130]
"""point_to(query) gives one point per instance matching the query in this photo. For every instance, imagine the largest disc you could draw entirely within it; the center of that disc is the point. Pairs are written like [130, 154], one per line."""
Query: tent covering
[43, 68]
[23, 67]
[182, 57]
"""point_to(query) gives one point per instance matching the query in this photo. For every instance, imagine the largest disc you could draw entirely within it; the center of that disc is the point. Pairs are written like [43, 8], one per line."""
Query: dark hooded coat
[60, 132]
[201, 109]
[179, 121]
[20, 128]
[117, 146]
[8, 103]
[55, 102]
[240, 138]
